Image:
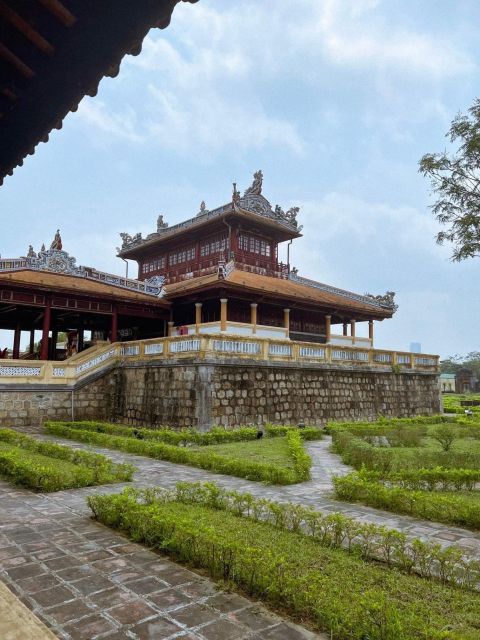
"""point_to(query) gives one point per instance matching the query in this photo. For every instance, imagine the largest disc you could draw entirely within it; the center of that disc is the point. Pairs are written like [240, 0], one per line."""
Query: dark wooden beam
[25, 28]
[59, 11]
[15, 61]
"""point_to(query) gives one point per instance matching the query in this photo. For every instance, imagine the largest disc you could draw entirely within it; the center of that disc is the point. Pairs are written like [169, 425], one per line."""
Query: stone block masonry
[201, 393]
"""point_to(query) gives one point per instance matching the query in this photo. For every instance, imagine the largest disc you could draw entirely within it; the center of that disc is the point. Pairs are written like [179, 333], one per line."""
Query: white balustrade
[279, 350]
[19, 372]
[384, 358]
[312, 352]
[93, 362]
[130, 350]
[184, 345]
[236, 346]
[153, 349]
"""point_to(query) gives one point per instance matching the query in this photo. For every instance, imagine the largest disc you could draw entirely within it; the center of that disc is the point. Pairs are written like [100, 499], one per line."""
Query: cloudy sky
[335, 100]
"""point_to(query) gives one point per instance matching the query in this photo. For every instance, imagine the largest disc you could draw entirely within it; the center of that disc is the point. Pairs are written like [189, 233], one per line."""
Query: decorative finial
[42, 250]
[256, 188]
[203, 207]
[235, 194]
[161, 225]
[57, 241]
[31, 253]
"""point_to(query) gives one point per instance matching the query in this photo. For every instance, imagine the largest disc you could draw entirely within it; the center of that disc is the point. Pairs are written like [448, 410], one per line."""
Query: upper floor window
[254, 245]
[179, 257]
[213, 245]
[154, 265]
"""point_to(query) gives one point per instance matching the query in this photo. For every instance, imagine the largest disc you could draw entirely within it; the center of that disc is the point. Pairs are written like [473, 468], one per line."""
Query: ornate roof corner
[289, 216]
[256, 187]
[129, 241]
[387, 301]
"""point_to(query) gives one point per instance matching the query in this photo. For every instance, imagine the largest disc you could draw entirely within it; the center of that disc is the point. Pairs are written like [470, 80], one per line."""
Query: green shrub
[184, 437]
[338, 593]
[456, 510]
[368, 541]
[183, 455]
[27, 467]
[104, 470]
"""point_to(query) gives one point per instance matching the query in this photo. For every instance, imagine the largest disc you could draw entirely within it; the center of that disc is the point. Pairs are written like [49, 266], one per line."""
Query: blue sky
[334, 100]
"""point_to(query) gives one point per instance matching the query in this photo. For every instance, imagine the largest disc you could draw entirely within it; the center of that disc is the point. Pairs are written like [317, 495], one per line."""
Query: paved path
[86, 581]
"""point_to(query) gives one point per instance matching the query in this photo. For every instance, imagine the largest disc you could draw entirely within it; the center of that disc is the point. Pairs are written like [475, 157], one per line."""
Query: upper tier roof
[252, 207]
[294, 289]
[53, 53]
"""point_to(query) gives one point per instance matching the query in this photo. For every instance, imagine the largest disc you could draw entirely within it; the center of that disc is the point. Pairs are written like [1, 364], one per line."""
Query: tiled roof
[77, 284]
[286, 289]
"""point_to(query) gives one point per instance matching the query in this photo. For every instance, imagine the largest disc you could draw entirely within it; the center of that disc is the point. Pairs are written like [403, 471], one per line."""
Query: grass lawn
[266, 450]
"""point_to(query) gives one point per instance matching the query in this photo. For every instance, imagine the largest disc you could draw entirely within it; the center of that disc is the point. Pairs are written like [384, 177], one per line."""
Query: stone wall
[202, 393]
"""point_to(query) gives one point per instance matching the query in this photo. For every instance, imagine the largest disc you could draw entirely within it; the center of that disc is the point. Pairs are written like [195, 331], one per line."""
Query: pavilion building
[222, 275]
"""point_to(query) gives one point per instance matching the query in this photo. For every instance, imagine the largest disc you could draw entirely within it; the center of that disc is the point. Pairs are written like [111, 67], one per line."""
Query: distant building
[447, 382]
[415, 347]
[466, 381]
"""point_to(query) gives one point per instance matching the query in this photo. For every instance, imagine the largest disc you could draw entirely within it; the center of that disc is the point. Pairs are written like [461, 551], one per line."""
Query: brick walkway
[86, 581]
[316, 492]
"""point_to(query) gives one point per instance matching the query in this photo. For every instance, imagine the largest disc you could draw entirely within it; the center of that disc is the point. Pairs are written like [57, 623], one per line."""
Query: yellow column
[352, 330]
[170, 327]
[328, 328]
[198, 317]
[223, 314]
[286, 320]
[370, 331]
[253, 316]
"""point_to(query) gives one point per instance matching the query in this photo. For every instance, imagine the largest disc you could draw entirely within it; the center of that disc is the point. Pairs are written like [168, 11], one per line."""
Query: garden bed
[427, 468]
[44, 466]
[336, 592]
[279, 460]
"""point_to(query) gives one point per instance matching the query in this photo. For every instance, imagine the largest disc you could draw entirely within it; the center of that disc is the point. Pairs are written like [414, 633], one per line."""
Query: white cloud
[118, 124]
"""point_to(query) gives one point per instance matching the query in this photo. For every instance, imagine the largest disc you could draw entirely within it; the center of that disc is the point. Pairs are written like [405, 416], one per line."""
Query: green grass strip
[337, 593]
[204, 459]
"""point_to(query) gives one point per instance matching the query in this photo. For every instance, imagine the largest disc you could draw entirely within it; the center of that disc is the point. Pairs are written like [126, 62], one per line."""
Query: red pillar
[45, 330]
[32, 341]
[114, 325]
[16, 343]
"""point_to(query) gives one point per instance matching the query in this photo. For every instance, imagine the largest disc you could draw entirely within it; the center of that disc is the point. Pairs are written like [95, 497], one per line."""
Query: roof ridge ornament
[386, 300]
[255, 189]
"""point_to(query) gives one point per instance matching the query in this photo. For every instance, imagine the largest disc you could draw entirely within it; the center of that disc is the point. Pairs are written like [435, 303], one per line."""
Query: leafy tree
[453, 364]
[445, 434]
[455, 179]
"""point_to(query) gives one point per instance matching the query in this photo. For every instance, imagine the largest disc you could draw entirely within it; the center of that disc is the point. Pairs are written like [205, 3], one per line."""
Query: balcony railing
[210, 347]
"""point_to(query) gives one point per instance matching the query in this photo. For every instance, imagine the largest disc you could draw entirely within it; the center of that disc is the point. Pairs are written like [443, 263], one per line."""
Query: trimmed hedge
[369, 541]
[49, 467]
[389, 422]
[185, 437]
[338, 593]
[359, 453]
[104, 470]
[204, 459]
[457, 510]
